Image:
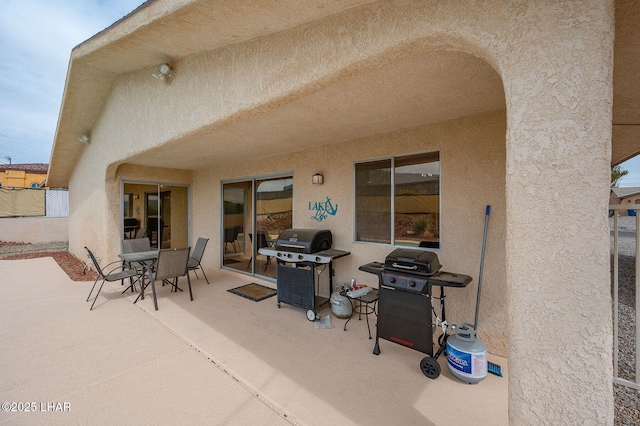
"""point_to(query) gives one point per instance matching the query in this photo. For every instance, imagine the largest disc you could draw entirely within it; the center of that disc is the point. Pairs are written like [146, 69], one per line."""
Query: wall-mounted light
[317, 179]
[164, 72]
[85, 139]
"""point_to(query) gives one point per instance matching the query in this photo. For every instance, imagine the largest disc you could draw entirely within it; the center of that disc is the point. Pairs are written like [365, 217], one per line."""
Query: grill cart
[299, 254]
[405, 306]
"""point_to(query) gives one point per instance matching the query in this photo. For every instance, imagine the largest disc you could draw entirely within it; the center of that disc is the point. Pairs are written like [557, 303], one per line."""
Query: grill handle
[410, 268]
[292, 246]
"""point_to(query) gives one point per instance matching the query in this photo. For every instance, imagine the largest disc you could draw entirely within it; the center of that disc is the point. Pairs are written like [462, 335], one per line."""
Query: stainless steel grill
[405, 300]
[299, 252]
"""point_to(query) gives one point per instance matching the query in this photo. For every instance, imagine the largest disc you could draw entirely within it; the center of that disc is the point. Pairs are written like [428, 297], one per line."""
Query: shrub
[419, 226]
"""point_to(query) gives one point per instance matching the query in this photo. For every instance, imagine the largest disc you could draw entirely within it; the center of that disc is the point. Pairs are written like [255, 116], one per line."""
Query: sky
[36, 38]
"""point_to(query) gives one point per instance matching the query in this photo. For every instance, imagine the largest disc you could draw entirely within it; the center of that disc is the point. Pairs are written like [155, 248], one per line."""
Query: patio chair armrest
[121, 264]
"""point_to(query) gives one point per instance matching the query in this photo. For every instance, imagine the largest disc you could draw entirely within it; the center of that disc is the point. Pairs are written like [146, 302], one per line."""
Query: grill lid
[304, 240]
[410, 261]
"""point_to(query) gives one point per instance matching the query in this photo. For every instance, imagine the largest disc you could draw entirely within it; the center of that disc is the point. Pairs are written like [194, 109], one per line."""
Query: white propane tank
[340, 305]
[466, 355]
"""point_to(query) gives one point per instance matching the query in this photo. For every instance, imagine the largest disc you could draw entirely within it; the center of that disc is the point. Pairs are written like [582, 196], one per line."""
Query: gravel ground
[74, 268]
[627, 408]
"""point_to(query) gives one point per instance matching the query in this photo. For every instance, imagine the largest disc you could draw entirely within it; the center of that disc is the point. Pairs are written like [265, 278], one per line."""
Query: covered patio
[523, 105]
[221, 359]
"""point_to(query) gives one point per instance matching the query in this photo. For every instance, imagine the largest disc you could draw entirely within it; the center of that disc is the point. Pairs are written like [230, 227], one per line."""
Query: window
[34, 185]
[398, 201]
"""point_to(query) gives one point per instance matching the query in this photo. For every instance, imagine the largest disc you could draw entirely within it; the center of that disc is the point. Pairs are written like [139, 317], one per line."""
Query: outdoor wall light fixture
[164, 72]
[85, 139]
[317, 179]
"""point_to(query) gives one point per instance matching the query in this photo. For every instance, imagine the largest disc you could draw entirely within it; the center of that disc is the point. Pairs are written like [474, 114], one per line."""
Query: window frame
[392, 182]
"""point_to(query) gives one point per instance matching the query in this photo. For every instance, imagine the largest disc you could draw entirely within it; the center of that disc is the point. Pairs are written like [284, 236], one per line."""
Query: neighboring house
[417, 114]
[23, 175]
[630, 196]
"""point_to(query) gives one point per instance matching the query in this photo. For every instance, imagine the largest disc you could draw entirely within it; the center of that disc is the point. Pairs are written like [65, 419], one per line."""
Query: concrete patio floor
[221, 359]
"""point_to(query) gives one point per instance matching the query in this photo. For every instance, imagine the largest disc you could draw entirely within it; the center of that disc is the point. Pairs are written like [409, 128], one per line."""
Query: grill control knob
[412, 283]
[300, 257]
[392, 280]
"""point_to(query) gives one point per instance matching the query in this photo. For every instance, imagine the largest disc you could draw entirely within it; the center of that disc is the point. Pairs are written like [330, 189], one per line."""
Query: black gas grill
[299, 253]
[405, 305]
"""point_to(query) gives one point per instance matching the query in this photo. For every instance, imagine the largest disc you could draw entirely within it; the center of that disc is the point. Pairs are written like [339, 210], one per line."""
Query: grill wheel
[430, 367]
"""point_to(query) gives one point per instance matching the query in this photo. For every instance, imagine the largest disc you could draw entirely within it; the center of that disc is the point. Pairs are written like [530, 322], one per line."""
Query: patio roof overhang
[626, 82]
[156, 32]
[162, 31]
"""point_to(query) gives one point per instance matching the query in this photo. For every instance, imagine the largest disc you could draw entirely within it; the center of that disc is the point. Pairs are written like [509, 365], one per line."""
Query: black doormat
[229, 261]
[253, 291]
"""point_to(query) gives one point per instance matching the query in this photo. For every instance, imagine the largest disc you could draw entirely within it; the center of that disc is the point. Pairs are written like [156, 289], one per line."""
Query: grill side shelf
[440, 278]
[375, 268]
[449, 279]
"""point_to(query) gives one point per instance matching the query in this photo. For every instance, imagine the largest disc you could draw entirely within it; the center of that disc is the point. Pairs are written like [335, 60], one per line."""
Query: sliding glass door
[255, 212]
[158, 212]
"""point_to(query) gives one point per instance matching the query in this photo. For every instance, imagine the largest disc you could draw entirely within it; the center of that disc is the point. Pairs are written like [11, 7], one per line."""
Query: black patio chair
[231, 237]
[171, 264]
[153, 230]
[111, 275]
[130, 227]
[260, 243]
[196, 257]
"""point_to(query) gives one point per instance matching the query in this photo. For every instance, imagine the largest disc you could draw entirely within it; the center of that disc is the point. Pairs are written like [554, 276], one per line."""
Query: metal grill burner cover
[409, 261]
[304, 240]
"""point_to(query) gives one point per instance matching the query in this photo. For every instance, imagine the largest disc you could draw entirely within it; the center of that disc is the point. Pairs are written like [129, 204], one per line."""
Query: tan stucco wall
[631, 200]
[555, 60]
[94, 209]
[472, 155]
[34, 229]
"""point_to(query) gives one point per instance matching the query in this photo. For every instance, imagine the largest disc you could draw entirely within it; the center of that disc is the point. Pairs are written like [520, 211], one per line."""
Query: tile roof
[27, 167]
[625, 192]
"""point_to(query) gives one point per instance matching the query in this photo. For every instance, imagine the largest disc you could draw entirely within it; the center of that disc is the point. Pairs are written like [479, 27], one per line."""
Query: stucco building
[626, 196]
[417, 114]
[28, 175]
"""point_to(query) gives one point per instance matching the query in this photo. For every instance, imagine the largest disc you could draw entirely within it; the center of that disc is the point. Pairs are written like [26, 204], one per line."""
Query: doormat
[230, 261]
[253, 291]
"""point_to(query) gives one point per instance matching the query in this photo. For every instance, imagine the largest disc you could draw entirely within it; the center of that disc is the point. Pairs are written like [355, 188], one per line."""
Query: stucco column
[558, 86]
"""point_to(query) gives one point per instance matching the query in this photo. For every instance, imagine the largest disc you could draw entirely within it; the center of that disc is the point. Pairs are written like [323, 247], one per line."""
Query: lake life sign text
[322, 209]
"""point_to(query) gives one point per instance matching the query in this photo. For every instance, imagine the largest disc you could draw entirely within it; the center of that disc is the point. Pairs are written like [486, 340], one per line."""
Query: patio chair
[196, 257]
[130, 227]
[260, 243]
[111, 275]
[231, 237]
[171, 264]
[153, 230]
[134, 246]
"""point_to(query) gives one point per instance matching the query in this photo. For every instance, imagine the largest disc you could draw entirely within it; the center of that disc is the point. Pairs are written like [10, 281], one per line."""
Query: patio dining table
[145, 259]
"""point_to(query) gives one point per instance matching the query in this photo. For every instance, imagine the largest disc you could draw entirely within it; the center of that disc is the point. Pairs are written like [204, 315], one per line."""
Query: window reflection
[273, 213]
[406, 187]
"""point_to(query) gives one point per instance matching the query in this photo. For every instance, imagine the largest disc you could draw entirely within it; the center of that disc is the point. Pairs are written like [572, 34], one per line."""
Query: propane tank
[340, 305]
[466, 355]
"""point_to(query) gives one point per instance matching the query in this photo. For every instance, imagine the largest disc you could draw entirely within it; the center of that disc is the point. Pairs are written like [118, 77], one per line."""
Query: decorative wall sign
[323, 209]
